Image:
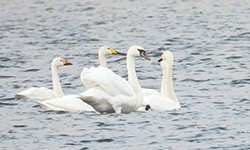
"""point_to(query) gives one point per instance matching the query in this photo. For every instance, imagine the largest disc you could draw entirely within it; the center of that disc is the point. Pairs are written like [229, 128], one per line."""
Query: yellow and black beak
[66, 63]
[161, 58]
[115, 52]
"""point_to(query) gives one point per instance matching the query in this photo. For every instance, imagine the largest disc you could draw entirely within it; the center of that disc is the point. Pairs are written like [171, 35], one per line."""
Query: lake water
[210, 41]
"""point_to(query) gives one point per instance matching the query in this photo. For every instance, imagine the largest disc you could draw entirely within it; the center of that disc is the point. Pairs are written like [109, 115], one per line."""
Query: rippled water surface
[210, 41]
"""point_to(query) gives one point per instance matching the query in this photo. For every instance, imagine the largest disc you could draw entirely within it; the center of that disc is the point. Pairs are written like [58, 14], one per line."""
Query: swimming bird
[72, 102]
[107, 92]
[166, 100]
[43, 92]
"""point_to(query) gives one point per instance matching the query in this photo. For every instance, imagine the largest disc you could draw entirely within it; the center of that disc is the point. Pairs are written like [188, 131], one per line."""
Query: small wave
[240, 81]
[6, 76]
[233, 57]
[88, 8]
[99, 140]
[194, 80]
[31, 70]
[7, 104]
[19, 126]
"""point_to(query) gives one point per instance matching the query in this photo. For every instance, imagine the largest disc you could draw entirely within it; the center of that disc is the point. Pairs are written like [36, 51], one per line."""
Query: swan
[45, 93]
[72, 102]
[166, 100]
[107, 92]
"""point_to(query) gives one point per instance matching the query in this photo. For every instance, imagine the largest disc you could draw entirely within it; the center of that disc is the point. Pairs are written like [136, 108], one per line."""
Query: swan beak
[112, 51]
[123, 54]
[66, 63]
[160, 60]
[143, 54]
[115, 52]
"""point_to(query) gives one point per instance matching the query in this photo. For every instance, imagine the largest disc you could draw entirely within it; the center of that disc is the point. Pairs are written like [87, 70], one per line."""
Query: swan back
[111, 83]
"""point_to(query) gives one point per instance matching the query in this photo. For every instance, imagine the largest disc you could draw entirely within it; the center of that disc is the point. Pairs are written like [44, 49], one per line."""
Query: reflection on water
[210, 44]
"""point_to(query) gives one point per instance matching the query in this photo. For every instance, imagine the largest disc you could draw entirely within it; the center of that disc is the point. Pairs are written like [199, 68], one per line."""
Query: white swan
[109, 92]
[72, 102]
[45, 93]
[166, 100]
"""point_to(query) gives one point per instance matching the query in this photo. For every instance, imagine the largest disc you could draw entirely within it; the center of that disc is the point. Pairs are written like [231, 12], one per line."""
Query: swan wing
[36, 93]
[98, 99]
[110, 82]
[66, 103]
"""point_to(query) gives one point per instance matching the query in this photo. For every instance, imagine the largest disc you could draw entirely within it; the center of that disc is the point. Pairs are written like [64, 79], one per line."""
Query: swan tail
[20, 96]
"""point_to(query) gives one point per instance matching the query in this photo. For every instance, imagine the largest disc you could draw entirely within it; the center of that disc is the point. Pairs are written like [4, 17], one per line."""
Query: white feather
[166, 100]
[108, 92]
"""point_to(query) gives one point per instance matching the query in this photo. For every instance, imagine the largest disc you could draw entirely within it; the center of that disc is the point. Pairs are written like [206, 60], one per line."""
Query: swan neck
[167, 83]
[55, 80]
[132, 78]
[102, 60]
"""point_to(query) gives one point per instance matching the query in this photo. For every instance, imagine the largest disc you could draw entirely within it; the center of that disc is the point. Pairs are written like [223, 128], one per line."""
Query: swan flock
[107, 92]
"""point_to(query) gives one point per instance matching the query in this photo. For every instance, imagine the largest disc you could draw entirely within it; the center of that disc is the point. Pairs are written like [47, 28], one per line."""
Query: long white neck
[102, 60]
[132, 78]
[167, 83]
[55, 80]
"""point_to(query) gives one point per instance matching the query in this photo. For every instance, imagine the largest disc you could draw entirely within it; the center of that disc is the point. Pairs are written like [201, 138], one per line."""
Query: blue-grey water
[210, 41]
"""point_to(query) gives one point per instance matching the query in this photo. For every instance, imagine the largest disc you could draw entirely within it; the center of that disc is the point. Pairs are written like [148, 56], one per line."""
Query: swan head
[166, 57]
[58, 62]
[137, 51]
[106, 50]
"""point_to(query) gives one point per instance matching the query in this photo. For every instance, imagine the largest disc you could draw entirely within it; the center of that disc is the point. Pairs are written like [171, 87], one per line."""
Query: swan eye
[141, 51]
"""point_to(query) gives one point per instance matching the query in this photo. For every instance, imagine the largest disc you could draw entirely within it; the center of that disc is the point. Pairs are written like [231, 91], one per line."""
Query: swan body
[166, 100]
[107, 92]
[73, 102]
[45, 93]
[36, 93]
[65, 103]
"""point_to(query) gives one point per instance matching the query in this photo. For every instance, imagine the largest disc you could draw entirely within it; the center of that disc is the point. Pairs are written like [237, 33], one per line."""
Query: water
[210, 44]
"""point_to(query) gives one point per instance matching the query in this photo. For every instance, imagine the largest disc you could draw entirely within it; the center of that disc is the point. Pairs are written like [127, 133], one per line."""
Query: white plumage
[108, 92]
[65, 103]
[43, 92]
[72, 102]
[166, 100]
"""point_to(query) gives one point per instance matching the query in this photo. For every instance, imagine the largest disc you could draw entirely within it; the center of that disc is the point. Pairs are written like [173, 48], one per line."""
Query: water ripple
[210, 44]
